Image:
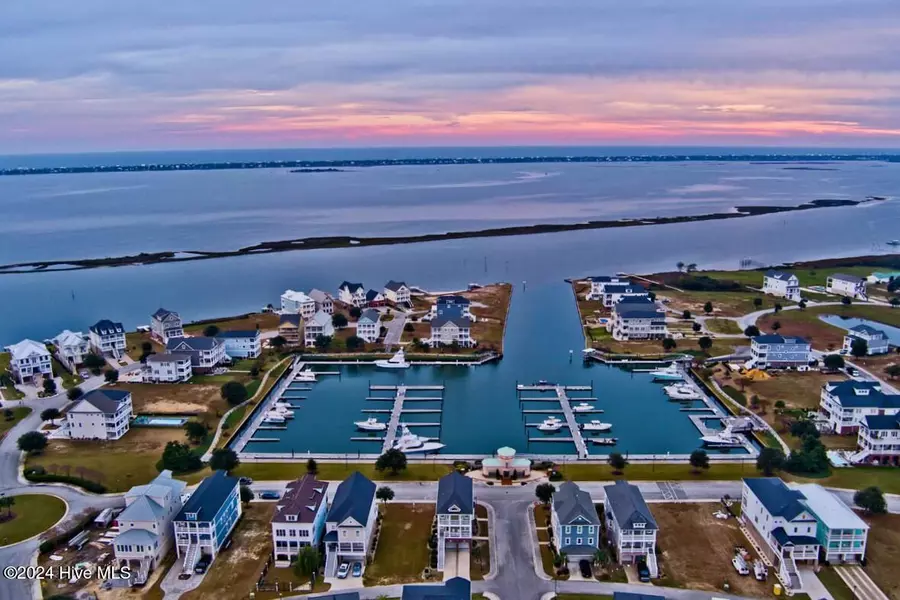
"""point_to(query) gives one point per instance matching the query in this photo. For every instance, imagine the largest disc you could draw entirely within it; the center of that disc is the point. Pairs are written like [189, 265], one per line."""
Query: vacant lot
[262, 321]
[726, 326]
[402, 552]
[806, 323]
[725, 304]
[204, 401]
[882, 552]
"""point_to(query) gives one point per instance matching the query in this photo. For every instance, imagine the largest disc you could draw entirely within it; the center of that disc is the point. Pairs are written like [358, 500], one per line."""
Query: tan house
[290, 327]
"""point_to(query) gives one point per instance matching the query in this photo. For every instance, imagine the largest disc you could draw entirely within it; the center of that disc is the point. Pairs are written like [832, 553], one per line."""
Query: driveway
[394, 331]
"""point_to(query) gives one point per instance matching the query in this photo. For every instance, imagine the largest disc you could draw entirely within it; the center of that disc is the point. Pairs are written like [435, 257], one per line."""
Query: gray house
[455, 510]
[630, 525]
[576, 525]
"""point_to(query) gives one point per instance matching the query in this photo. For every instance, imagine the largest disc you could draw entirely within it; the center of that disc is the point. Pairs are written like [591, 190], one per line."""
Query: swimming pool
[153, 421]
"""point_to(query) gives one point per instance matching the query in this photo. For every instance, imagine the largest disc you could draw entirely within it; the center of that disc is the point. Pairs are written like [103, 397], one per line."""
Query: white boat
[583, 407]
[681, 391]
[724, 439]
[370, 424]
[397, 361]
[409, 442]
[306, 376]
[894, 243]
[273, 418]
[604, 441]
[670, 373]
[550, 424]
[595, 425]
[283, 412]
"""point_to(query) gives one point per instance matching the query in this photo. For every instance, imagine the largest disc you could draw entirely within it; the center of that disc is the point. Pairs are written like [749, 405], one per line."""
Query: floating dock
[565, 406]
[398, 410]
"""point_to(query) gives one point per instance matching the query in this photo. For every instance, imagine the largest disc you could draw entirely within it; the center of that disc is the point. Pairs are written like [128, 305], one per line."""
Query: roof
[781, 536]
[455, 318]
[69, 338]
[289, 319]
[628, 506]
[106, 401]
[829, 509]
[168, 357]
[373, 295]
[142, 509]
[395, 285]
[571, 504]
[239, 333]
[351, 287]
[776, 497]
[107, 327]
[296, 296]
[209, 497]
[869, 331]
[883, 421]
[162, 313]
[780, 275]
[624, 288]
[456, 588]
[453, 299]
[858, 394]
[370, 315]
[635, 299]
[455, 491]
[638, 311]
[633, 596]
[319, 295]
[353, 499]
[161, 481]
[192, 343]
[772, 338]
[320, 318]
[847, 278]
[26, 348]
[301, 498]
[135, 537]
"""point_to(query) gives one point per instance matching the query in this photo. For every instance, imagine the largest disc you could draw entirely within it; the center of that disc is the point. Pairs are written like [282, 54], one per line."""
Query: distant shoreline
[332, 242]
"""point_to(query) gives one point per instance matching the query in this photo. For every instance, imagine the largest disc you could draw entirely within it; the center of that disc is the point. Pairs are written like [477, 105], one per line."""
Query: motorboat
[550, 424]
[595, 425]
[397, 361]
[282, 405]
[409, 443]
[307, 376]
[724, 439]
[274, 418]
[894, 243]
[681, 391]
[370, 424]
[543, 382]
[604, 441]
[670, 373]
[583, 407]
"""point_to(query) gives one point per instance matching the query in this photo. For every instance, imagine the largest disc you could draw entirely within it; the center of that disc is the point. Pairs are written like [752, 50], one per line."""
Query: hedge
[40, 475]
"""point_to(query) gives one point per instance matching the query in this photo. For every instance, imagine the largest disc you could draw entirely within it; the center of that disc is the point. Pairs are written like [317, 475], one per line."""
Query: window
[580, 528]
[567, 542]
[590, 541]
[579, 541]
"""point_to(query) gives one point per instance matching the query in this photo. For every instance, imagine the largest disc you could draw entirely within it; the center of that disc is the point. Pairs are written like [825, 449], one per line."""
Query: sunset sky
[86, 75]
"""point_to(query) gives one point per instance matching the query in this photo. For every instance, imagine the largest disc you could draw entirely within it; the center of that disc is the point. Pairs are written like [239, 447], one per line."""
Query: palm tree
[680, 265]
[601, 556]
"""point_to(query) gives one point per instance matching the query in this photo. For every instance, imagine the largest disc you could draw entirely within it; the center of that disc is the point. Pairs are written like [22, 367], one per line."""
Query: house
[613, 292]
[205, 352]
[599, 282]
[324, 301]
[455, 588]
[107, 338]
[453, 302]
[574, 521]
[319, 324]
[207, 519]
[369, 325]
[779, 352]
[877, 341]
[100, 415]
[353, 294]
[350, 522]
[297, 303]
[782, 284]
[299, 518]
[841, 533]
[878, 440]
[374, 298]
[844, 404]
[455, 514]
[505, 465]
[397, 292]
[169, 367]
[847, 285]
[243, 343]
[29, 361]
[165, 325]
[631, 528]
[290, 327]
[145, 526]
[449, 327]
[71, 348]
[637, 318]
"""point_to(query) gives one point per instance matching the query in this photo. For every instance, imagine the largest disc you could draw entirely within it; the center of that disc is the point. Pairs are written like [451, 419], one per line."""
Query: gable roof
[142, 509]
[373, 295]
[209, 497]
[869, 331]
[627, 505]
[69, 338]
[301, 498]
[296, 296]
[321, 318]
[195, 344]
[165, 357]
[779, 275]
[353, 498]
[107, 327]
[571, 503]
[455, 491]
[772, 338]
[635, 299]
[638, 311]
[848, 278]
[162, 313]
[319, 295]
[370, 315]
[624, 288]
[289, 319]
[26, 348]
[776, 497]
[828, 508]
[351, 287]
[891, 422]
[163, 480]
[453, 299]
[239, 333]
[456, 588]
[606, 279]
[395, 286]
[106, 401]
[136, 536]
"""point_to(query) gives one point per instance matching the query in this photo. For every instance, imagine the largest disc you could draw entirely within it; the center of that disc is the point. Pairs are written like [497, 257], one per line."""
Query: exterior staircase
[142, 574]
[190, 558]
[858, 457]
[442, 553]
[790, 575]
[652, 565]
[330, 564]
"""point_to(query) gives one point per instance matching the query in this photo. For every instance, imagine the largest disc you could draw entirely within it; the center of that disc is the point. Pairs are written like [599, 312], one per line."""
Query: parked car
[585, 567]
[202, 565]
[643, 571]
[269, 495]
[343, 570]
[357, 569]
[245, 481]
[740, 565]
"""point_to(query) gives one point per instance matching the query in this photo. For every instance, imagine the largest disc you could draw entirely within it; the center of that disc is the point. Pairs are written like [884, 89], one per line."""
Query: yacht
[274, 418]
[583, 407]
[595, 425]
[604, 441]
[370, 424]
[397, 361]
[670, 373]
[681, 391]
[306, 375]
[282, 411]
[409, 442]
[550, 424]
[724, 439]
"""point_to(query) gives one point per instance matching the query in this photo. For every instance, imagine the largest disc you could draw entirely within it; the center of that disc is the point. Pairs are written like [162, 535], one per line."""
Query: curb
[492, 521]
[37, 535]
[536, 546]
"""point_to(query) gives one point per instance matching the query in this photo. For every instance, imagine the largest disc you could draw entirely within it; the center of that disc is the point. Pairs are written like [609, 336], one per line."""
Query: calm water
[893, 333]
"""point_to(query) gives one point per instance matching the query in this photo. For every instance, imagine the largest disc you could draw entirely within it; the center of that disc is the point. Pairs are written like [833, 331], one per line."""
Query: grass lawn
[204, 401]
[835, 585]
[262, 321]
[285, 576]
[32, 514]
[883, 548]
[9, 391]
[726, 326]
[481, 566]
[807, 276]
[402, 552]
[725, 304]
[18, 413]
[134, 342]
[69, 380]
[806, 323]
[658, 472]
[340, 471]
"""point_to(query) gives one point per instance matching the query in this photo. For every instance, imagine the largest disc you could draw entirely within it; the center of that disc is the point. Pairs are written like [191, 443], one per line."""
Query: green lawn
[69, 380]
[9, 391]
[726, 326]
[402, 552]
[340, 471]
[33, 514]
[807, 277]
[835, 585]
[18, 413]
[807, 323]
[658, 472]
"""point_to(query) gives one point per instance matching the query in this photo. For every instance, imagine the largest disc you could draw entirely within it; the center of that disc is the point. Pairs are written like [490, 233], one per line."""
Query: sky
[96, 75]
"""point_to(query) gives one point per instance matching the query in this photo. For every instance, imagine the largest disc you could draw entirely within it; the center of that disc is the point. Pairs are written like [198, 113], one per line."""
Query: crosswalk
[672, 490]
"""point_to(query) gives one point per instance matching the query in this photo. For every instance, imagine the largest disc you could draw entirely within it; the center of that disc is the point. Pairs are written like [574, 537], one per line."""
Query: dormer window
[292, 518]
[454, 509]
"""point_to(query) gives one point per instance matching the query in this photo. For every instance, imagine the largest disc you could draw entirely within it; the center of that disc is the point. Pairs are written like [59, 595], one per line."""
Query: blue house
[877, 341]
[576, 525]
[207, 519]
[350, 523]
[779, 352]
[456, 588]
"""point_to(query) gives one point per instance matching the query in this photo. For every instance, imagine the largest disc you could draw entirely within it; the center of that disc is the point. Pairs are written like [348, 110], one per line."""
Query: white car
[343, 570]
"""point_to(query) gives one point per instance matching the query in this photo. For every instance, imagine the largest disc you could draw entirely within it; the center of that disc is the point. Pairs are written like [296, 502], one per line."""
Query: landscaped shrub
[40, 475]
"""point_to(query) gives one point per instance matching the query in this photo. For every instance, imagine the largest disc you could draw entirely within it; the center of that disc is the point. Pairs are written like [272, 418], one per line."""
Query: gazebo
[506, 465]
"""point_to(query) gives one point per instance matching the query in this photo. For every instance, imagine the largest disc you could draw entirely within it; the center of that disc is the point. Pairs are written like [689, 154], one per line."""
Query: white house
[397, 292]
[369, 325]
[637, 318]
[573, 518]
[779, 352]
[598, 283]
[847, 285]
[318, 324]
[207, 519]
[299, 519]
[71, 348]
[29, 361]
[630, 525]
[205, 352]
[455, 514]
[324, 301]
[614, 292]
[878, 440]
[246, 343]
[451, 302]
[169, 368]
[100, 415]
[107, 338]
[844, 404]
[449, 327]
[353, 294]
[165, 325]
[877, 341]
[350, 523]
[145, 526]
[297, 303]
[782, 284]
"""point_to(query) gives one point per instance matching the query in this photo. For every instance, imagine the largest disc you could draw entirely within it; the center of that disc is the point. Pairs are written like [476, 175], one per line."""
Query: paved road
[394, 330]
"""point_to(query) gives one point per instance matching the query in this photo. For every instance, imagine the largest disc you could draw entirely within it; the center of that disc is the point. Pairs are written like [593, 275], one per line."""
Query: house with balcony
[455, 588]
[165, 325]
[30, 361]
[290, 327]
[782, 284]
[242, 343]
[71, 348]
[352, 294]
[613, 292]
[324, 301]
[574, 521]
[350, 522]
[369, 325]
[637, 318]
[455, 514]
[878, 440]
[205, 352]
[319, 324]
[773, 351]
[169, 367]
[375, 298]
[297, 303]
[599, 283]
[299, 519]
[842, 534]
[100, 415]
[450, 327]
[145, 526]
[451, 303]
[207, 519]
[631, 528]
[397, 292]
[107, 338]
[850, 286]
[844, 404]
[877, 341]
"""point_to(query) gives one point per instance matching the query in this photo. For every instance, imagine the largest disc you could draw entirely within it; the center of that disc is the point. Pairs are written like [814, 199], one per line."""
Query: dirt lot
[806, 323]
[177, 398]
[697, 549]
[882, 552]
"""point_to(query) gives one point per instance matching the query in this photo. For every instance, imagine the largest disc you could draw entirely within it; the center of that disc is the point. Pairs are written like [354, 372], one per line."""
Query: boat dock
[565, 408]
[397, 411]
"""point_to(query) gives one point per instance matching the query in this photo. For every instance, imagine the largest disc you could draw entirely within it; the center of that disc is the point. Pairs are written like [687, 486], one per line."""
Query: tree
[699, 460]
[355, 312]
[893, 284]
[146, 347]
[49, 386]
[111, 376]
[384, 493]
[895, 301]
[892, 371]
[757, 302]
[234, 392]
[544, 492]
[601, 556]
[777, 307]
[32, 442]
[776, 325]
[211, 331]
[668, 344]
[74, 393]
[224, 459]
[833, 361]
[708, 307]
[871, 500]
[859, 347]
[393, 460]
[278, 342]
[696, 327]
[846, 301]
[246, 494]
[179, 457]
[307, 564]
[769, 460]
[323, 341]
[50, 414]
[751, 331]
[93, 361]
[617, 462]
[312, 467]
[652, 296]
[339, 320]
[705, 343]
[802, 305]
[686, 315]
[354, 342]
[8, 502]
[408, 327]
[195, 431]
[803, 429]
[680, 266]
[691, 267]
